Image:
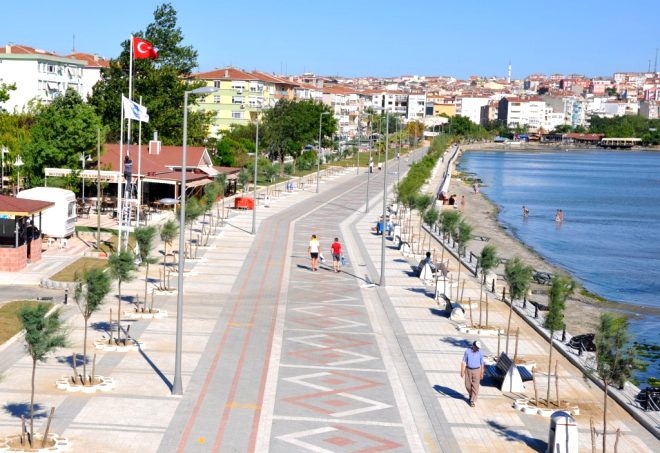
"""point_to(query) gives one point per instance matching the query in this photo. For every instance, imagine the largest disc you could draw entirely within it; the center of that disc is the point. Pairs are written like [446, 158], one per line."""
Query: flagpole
[121, 160]
[139, 173]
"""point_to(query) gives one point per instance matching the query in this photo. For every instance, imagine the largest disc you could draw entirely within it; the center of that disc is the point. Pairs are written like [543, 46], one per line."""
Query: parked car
[584, 342]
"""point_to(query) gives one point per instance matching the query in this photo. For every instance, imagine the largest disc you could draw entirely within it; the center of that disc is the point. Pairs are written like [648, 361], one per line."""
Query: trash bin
[563, 436]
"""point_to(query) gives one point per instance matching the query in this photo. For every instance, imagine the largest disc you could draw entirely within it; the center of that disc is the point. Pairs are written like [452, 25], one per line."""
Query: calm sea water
[609, 238]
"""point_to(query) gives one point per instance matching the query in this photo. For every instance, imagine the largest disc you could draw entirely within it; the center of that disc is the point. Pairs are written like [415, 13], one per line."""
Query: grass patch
[9, 323]
[79, 266]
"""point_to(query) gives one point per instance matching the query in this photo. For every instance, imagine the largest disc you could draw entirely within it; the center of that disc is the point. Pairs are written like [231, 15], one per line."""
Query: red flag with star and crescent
[144, 49]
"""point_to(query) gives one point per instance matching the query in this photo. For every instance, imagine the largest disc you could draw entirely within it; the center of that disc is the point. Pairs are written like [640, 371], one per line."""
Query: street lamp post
[84, 158]
[18, 163]
[177, 386]
[256, 161]
[318, 157]
[4, 151]
[383, 227]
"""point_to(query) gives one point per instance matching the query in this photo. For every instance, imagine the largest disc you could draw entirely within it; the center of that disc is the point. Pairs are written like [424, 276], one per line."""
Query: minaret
[508, 79]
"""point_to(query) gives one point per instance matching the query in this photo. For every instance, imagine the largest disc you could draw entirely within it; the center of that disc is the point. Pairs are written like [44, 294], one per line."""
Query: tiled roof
[225, 74]
[21, 206]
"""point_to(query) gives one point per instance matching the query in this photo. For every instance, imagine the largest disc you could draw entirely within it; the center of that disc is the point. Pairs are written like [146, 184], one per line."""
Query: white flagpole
[139, 173]
[121, 161]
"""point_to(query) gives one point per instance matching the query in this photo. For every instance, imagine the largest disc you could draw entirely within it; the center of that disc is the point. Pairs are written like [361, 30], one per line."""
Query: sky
[353, 38]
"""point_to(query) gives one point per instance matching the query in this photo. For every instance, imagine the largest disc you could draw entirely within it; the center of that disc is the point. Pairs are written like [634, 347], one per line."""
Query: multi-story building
[516, 111]
[42, 76]
[470, 107]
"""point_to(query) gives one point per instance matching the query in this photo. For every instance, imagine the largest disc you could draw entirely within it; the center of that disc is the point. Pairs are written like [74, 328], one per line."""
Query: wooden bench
[510, 376]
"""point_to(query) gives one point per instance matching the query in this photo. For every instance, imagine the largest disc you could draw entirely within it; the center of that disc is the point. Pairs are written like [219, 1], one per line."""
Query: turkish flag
[144, 49]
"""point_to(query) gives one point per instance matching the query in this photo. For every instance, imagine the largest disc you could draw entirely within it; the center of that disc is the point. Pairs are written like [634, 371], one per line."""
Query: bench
[511, 376]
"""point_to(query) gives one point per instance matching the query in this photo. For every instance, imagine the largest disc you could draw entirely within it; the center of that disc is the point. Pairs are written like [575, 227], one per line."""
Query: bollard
[536, 311]
[66, 296]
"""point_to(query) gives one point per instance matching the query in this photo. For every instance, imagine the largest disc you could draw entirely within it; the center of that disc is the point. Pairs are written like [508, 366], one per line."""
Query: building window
[216, 99]
[216, 84]
[238, 99]
[237, 115]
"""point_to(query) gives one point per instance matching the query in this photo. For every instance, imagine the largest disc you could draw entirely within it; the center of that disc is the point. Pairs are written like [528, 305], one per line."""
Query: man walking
[472, 369]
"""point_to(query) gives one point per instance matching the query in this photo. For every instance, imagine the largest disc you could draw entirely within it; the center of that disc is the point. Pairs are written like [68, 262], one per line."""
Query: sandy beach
[582, 312]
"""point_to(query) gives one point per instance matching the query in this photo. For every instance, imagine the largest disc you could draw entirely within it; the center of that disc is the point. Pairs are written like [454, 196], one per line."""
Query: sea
[609, 238]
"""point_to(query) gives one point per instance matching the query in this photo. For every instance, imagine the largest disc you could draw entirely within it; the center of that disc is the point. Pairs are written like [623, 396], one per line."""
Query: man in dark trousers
[472, 369]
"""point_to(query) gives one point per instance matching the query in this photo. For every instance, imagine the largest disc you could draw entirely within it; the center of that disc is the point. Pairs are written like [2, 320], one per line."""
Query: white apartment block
[42, 76]
[470, 107]
[522, 112]
[575, 111]
[416, 107]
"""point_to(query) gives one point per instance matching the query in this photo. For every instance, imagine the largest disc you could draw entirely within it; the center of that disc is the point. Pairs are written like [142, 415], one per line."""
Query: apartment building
[470, 106]
[42, 76]
[515, 111]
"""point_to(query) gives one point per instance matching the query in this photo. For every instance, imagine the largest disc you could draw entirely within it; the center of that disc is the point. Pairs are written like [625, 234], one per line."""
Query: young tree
[449, 220]
[561, 289]
[463, 236]
[243, 178]
[193, 210]
[144, 236]
[431, 217]
[422, 203]
[519, 277]
[221, 180]
[43, 334]
[168, 232]
[488, 260]
[89, 293]
[121, 266]
[615, 359]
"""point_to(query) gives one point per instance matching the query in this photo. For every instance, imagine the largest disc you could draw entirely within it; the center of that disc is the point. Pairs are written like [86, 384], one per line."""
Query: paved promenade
[279, 358]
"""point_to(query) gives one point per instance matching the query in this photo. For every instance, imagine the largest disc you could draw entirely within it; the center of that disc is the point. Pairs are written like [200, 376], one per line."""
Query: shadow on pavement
[513, 436]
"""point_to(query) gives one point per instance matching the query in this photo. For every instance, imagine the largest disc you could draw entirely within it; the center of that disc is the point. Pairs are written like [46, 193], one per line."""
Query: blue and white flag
[134, 111]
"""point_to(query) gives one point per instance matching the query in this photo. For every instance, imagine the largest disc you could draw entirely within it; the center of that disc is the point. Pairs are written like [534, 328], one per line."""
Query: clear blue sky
[364, 37]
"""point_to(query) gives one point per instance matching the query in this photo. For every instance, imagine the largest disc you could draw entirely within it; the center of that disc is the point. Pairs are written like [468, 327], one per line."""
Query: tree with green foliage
[560, 290]
[487, 261]
[121, 266]
[5, 89]
[145, 236]
[518, 275]
[168, 232]
[156, 82]
[290, 125]
[615, 358]
[90, 291]
[44, 333]
[62, 131]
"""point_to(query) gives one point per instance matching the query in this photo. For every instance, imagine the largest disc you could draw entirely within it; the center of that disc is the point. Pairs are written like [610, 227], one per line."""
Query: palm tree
[89, 293]
[121, 265]
[488, 260]
[519, 277]
[561, 289]
[168, 232]
[144, 236]
[43, 334]
[614, 359]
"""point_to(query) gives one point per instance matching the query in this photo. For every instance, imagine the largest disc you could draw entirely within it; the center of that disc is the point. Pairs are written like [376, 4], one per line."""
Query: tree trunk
[508, 326]
[481, 293]
[547, 397]
[119, 313]
[606, 385]
[84, 350]
[34, 372]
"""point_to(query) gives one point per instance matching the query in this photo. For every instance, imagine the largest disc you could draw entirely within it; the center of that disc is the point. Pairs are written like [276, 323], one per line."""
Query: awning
[198, 183]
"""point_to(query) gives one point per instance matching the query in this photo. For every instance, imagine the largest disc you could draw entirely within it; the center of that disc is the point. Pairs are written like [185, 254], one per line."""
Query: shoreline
[582, 310]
